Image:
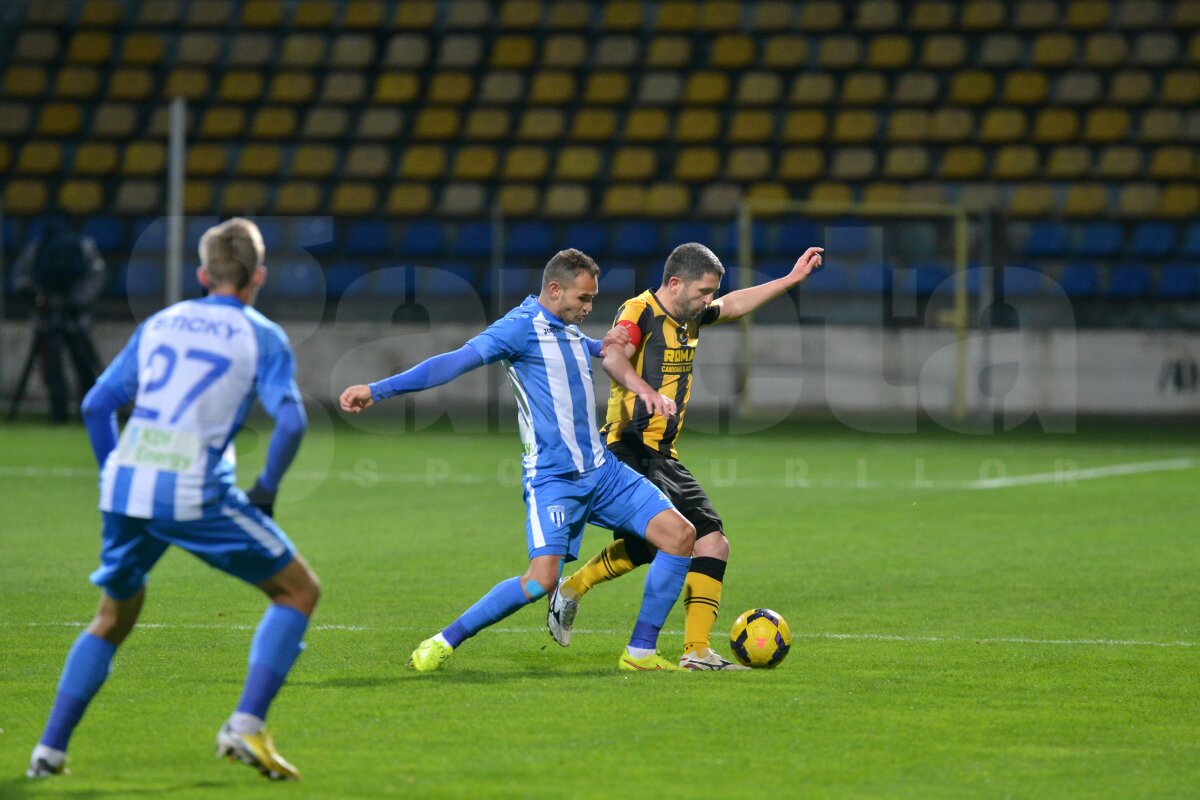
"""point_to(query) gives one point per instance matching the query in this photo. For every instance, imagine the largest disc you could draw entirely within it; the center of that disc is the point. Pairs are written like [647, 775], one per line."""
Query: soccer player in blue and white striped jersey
[570, 479]
[194, 370]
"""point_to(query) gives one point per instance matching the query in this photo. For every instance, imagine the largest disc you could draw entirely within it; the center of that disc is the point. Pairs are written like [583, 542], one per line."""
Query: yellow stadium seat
[89, 47]
[607, 88]
[344, 87]
[1161, 125]
[251, 50]
[1180, 88]
[291, 88]
[646, 125]
[201, 49]
[1180, 201]
[142, 48]
[407, 51]
[1087, 14]
[751, 126]
[552, 88]
[462, 199]
[855, 126]
[1119, 162]
[1031, 200]
[1155, 49]
[564, 51]
[318, 14]
[906, 162]
[864, 89]
[1036, 15]
[771, 15]
[1106, 50]
[436, 124]
[1106, 125]
[518, 200]
[95, 158]
[525, 163]
[1000, 51]
[409, 199]
[776, 193]
[1069, 161]
[890, 51]
[1077, 88]
[222, 122]
[929, 193]
[130, 84]
[297, 197]
[313, 161]
[241, 86]
[521, 14]
[745, 164]
[206, 160]
[110, 120]
[831, 193]
[798, 164]
[623, 200]
[1003, 125]
[24, 196]
[706, 88]
[468, 15]
[39, 158]
[397, 87]
[1172, 161]
[943, 51]
[273, 122]
[144, 160]
[145, 197]
[262, 14]
[719, 15]
[877, 15]
[812, 89]
[822, 15]
[259, 160]
[190, 84]
[37, 46]
[210, 14]
[577, 163]
[932, 15]
[475, 163]
[354, 199]
[1054, 125]
[1086, 200]
[1186, 14]
[667, 200]
[785, 52]
[951, 125]
[416, 15]
[379, 124]
[758, 89]
[422, 162]
[60, 119]
[972, 88]
[487, 124]
[916, 89]
[100, 14]
[367, 161]
[593, 125]
[5, 157]
[502, 88]
[805, 126]
[77, 82]
[633, 164]
[566, 201]
[513, 52]
[1053, 50]
[325, 122]
[673, 15]
[1139, 199]
[450, 88]
[696, 164]
[732, 51]
[1015, 163]
[541, 124]
[964, 162]
[25, 81]
[569, 15]
[1193, 56]
[908, 125]
[983, 15]
[1131, 87]
[306, 50]
[884, 194]
[697, 125]
[839, 51]
[1024, 88]
[352, 51]
[668, 52]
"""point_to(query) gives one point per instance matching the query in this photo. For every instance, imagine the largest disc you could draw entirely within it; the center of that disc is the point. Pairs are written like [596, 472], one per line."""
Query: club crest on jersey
[682, 334]
[557, 514]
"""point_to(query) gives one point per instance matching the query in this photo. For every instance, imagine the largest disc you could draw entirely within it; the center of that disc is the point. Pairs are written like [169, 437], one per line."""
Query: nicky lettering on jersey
[201, 325]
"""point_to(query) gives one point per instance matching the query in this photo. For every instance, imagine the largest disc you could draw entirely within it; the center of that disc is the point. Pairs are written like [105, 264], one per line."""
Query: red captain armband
[635, 333]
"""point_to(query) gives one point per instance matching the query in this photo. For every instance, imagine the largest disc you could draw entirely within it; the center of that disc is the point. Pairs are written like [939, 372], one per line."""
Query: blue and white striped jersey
[549, 367]
[195, 369]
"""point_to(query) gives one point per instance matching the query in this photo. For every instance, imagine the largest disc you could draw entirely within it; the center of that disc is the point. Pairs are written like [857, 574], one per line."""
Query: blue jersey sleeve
[503, 339]
[121, 376]
[594, 346]
[275, 382]
[115, 387]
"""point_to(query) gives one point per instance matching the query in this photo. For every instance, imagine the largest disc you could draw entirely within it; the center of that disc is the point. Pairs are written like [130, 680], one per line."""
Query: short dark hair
[692, 261]
[566, 264]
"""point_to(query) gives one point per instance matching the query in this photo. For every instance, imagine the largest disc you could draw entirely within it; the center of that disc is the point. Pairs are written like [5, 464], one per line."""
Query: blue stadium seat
[141, 278]
[194, 228]
[728, 241]
[366, 237]
[924, 277]
[590, 237]
[515, 281]
[1153, 240]
[1129, 280]
[831, 277]
[449, 280]
[1191, 241]
[529, 240]
[423, 238]
[109, 232]
[1080, 279]
[774, 267]
[1022, 280]
[473, 240]
[191, 284]
[297, 279]
[392, 282]
[1179, 280]
[345, 280]
[1100, 240]
[796, 236]
[1047, 240]
[618, 281]
[637, 240]
[872, 277]
[314, 234]
[272, 233]
[149, 234]
[708, 235]
[849, 237]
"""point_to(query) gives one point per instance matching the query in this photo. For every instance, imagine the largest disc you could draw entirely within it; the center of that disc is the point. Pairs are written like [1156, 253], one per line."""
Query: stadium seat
[1024, 88]
[616, 52]
[462, 199]
[366, 238]
[623, 200]
[240, 86]
[293, 88]
[1047, 240]
[1139, 199]
[1000, 51]
[1129, 280]
[1180, 201]
[1076, 88]
[262, 14]
[839, 52]
[1131, 87]
[1086, 200]
[473, 240]
[732, 51]
[1021, 280]
[916, 89]
[696, 164]
[420, 238]
[965, 162]
[525, 163]
[1119, 162]
[449, 88]
[943, 51]
[697, 125]
[528, 239]
[348, 87]
[475, 163]
[1100, 240]
[314, 14]
[1179, 281]
[273, 122]
[801, 164]
[518, 200]
[636, 240]
[1153, 240]
[593, 125]
[421, 162]
[1172, 161]
[1055, 125]
[353, 199]
[409, 199]
[951, 125]
[541, 124]
[667, 199]
[646, 125]
[1016, 162]
[140, 278]
[129, 84]
[906, 162]
[297, 280]
[39, 158]
[872, 277]
[577, 163]
[1002, 125]
[1069, 161]
[1163, 125]
[1191, 241]
[785, 52]
[822, 15]
[313, 161]
[564, 51]
[746, 164]
[1080, 279]
[60, 120]
[367, 161]
[436, 124]
[1155, 49]
[80, 197]
[488, 124]
[662, 52]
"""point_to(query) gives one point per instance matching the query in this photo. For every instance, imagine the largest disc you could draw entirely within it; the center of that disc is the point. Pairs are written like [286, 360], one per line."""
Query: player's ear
[260, 276]
[202, 277]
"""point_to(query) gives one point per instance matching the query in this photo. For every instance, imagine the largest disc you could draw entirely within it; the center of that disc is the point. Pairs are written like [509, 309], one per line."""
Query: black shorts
[680, 487]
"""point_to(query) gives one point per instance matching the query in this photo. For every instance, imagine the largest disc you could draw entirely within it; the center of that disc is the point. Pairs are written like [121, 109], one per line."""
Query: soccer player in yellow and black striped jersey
[664, 328]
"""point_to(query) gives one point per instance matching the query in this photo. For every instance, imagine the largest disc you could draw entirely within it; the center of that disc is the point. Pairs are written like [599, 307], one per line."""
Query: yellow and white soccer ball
[760, 638]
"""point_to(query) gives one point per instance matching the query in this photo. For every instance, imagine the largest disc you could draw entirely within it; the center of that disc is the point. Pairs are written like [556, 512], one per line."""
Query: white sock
[639, 652]
[442, 639]
[53, 757]
[241, 722]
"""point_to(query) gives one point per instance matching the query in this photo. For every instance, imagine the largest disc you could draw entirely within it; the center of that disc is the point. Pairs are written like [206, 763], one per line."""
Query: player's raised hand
[658, 403]
[356, 398]
[618, 337]
[807, 263]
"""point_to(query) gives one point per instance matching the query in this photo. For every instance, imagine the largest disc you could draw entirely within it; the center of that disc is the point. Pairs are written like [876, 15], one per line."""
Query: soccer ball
[760, 638]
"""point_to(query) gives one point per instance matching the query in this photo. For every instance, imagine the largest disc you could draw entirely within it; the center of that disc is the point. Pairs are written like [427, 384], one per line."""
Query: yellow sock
[611, 562]
[701, 600]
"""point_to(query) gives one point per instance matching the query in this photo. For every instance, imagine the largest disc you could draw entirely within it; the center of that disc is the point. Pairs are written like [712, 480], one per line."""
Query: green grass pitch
[1029, 640]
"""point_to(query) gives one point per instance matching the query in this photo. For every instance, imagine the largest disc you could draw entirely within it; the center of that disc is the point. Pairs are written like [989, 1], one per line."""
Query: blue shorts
[612, 496]
[235, 537]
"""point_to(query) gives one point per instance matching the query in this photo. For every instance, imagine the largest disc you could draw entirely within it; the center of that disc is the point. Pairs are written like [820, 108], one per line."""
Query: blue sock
[664, 582]
[276, 646]
[503, 599]
[82, 676]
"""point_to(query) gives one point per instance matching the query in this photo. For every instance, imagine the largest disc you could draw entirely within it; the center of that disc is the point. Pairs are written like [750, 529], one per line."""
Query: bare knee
[541, 577]
[712, 545]
[296, 585]
[114, 619]
[671, 533]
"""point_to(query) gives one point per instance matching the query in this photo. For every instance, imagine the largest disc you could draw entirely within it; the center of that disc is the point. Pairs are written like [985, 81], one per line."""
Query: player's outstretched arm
[619, 367]
[429, 373]
[743, 301]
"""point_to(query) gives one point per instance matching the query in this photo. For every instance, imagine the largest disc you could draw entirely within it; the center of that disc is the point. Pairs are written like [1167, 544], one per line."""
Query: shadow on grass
[62, 787]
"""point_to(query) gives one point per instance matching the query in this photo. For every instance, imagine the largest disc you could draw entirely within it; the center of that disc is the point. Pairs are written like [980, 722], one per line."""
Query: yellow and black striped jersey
[665, 348]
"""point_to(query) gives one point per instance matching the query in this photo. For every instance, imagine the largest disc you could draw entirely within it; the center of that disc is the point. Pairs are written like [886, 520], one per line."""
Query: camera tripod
[57, 324]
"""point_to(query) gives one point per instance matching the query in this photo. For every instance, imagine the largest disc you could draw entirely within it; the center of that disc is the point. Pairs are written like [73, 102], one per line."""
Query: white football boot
[560, 618]
[708, 661]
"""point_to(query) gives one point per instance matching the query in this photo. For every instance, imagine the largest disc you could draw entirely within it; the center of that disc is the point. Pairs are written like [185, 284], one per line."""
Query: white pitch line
[1066, 476]
[874, 637]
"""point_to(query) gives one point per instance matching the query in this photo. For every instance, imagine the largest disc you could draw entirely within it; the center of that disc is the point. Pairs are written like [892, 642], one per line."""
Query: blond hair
[231, 252]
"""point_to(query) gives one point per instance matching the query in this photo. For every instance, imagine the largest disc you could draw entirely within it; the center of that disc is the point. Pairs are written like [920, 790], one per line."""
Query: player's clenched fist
[618, 336]
[356, 398]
